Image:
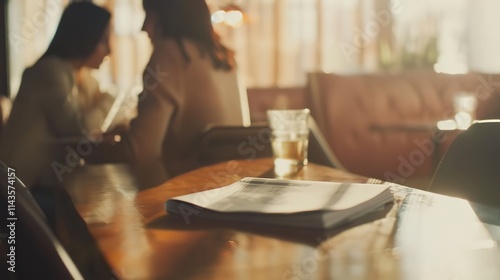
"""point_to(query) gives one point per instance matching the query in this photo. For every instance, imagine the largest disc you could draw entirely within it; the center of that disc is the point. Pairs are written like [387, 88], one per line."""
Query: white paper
[284, 196]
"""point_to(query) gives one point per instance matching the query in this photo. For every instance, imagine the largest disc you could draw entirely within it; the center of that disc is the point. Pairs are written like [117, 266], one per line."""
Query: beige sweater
[48, 106]
[178, 101]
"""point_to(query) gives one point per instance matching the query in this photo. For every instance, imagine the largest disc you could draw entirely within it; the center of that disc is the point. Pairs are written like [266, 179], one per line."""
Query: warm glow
[218, 16]
[444, 239]
[447, 125]
[465, 105]
[234, 18]
[451, 68]
[463, 120]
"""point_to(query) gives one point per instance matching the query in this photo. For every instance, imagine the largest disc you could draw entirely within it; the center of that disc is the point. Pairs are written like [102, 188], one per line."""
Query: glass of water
[290, 140]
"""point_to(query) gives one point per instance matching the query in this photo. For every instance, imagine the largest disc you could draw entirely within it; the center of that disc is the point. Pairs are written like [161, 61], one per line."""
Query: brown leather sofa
[354, 112]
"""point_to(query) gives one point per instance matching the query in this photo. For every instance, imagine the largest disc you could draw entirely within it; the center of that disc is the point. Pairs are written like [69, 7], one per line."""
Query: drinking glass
[289, 139]
[464, 105]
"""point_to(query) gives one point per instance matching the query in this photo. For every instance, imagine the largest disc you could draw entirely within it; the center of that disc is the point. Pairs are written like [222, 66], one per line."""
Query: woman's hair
[191, 19]
[80, 30]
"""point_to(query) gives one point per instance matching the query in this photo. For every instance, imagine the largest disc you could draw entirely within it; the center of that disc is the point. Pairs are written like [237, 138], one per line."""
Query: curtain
[31, 24]
[281, 40]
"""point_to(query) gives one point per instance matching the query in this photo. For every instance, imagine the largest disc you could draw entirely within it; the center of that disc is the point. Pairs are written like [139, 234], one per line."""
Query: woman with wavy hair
[190, 81]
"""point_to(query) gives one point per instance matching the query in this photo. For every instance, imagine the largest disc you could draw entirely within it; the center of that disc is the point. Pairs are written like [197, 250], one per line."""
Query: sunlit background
[278, 41]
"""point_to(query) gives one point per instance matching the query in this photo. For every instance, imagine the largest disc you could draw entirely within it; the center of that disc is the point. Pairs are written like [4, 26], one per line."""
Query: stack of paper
[307, 204]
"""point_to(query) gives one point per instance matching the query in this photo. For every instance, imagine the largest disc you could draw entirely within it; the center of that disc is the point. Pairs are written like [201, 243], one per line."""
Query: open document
[306, 204]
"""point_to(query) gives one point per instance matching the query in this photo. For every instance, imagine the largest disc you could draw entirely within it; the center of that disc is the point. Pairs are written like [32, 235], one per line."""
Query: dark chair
[222, 143]
[38, 253]
[5, 106]
[319, 150]
[471, 167]
[64, 251]
[1, 119]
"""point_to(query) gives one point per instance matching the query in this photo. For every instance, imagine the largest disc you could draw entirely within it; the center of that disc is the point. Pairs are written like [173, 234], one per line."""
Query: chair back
[1, 120]
[230, 89]
[222, 143]
[38, 253]
[54, 241]
[319, 150]
[226, 142]
[5, 107]
[470, 168]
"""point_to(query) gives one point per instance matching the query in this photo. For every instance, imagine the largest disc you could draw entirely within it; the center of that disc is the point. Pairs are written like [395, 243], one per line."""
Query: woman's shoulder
[51, 75]
[50, 65]
[176, 50]
[166, 50]
[49, 70]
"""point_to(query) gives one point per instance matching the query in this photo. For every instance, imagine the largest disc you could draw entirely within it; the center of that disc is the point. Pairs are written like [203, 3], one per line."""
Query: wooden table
[425, 236]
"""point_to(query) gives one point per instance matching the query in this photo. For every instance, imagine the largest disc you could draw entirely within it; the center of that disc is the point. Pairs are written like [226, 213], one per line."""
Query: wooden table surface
[420, 236]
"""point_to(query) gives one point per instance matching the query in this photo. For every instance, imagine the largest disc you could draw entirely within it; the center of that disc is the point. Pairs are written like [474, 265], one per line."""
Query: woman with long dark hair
[53, 101]
[190, 81]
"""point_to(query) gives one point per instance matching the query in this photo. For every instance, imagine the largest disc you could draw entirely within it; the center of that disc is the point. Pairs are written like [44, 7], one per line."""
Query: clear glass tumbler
[290, 140]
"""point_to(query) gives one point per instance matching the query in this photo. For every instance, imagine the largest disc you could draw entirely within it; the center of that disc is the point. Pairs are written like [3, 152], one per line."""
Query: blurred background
[278, 41]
